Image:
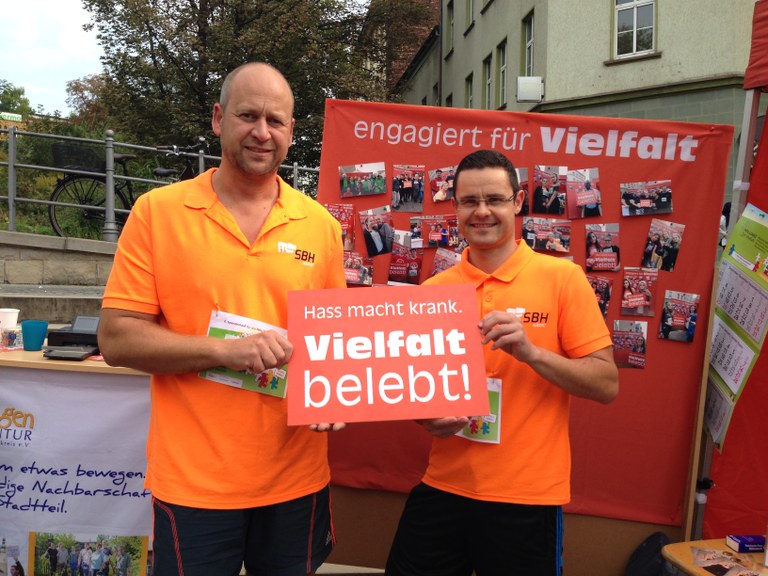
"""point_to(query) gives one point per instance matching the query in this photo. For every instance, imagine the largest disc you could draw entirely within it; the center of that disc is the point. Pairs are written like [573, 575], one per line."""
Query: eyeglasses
[472, 203]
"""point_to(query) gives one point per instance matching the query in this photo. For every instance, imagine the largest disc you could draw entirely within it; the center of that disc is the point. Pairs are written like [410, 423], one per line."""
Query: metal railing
[110, 177]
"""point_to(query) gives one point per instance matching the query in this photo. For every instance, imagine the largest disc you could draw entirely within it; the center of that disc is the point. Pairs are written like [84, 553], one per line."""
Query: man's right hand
[258, 352]
[444, 427]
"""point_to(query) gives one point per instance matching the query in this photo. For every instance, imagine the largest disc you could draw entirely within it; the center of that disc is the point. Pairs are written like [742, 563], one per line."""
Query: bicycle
[78, 208]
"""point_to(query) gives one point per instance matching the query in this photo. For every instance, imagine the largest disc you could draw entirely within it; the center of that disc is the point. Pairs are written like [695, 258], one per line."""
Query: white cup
[9, 318]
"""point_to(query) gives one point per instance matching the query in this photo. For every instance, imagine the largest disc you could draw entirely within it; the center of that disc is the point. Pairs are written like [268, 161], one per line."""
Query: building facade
[652, 59]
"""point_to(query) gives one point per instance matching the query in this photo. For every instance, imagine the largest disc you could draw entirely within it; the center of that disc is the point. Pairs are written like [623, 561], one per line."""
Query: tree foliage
[12, 99]
[165, 60]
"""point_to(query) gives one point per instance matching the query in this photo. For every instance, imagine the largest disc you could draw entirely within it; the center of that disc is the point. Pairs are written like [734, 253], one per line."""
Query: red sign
[385, 354]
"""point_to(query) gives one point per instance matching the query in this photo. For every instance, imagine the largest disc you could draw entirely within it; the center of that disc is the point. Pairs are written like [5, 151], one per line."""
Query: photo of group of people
[441, 183]
[679, 316]
[638, 291]
[378, 230]
[629, 343]
[73, 555]
[662, 245]
[362, 179]
[642, 198]
[603, 252]
[408, 188]
[547, 234]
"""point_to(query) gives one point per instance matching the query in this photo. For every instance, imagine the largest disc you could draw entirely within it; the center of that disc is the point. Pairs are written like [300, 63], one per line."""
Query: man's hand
[507, 333]
[259, 352]
[444, 427]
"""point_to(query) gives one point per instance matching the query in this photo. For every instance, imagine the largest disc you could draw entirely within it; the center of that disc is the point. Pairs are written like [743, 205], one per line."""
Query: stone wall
[53, 278]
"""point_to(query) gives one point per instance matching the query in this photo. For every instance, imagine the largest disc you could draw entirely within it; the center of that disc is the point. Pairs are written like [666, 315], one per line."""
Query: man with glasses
[496, 508]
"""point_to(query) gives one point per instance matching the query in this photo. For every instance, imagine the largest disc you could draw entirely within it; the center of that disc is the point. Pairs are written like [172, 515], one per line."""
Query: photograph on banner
[440, 230]
[662, 245]
[603, 286]
[603, 248]
[583, 198]
[549, 191]
[345, 214]
[362, 179]
[642, 198]
[444, 259]
[742, 293]
[629, 338]
[441, 183]
[227, 326]
[358, 269]
[378, 230]
[547, 234]
[731, 358]
[417, 227]
[405, 265]
[14, 555]
[522, 180]
[408, 188]
[385, 354]
[70, 554]
[638, 291]
[679, 316]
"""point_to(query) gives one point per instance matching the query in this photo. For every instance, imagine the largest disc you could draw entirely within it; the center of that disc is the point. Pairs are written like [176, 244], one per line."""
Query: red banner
[614, 446]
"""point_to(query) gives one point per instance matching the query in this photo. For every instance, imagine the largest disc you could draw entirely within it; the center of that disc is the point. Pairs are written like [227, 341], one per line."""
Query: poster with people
[629, 343]
[638, 291]
[440, 230]
[603, 252]
[643, 198]
[547, 234]
[362, 180]
[603, 286]
[583, 198]
[444, 259]
[662, 245]
[549, 191]
[345, 214]
[405, 265]
[441, 183]
[358, 269]
[679, 316]
[378, 230]
[408, 188]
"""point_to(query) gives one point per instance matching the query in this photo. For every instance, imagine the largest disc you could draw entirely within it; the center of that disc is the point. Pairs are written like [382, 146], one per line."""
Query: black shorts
[442, 534]
[288, 539]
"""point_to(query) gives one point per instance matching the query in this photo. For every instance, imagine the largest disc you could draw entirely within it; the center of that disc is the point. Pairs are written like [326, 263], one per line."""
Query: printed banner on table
[72, 465]
[385, 354]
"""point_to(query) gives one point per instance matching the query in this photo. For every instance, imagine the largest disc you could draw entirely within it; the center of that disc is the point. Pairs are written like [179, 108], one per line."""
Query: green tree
[12, 99]
[164, 61]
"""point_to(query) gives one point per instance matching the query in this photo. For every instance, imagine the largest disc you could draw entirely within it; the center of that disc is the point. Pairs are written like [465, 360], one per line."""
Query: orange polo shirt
[181, 256]
[532, 462]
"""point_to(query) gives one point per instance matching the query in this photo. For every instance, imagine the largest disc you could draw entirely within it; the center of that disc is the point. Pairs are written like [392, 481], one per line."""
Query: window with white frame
[468, 96]
[528, 45]
[501, 73]
[634, 27]
[487, 93]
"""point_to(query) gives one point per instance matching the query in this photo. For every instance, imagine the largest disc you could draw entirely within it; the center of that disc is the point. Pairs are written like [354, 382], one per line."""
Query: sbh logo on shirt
[304, 256]
[537, 319]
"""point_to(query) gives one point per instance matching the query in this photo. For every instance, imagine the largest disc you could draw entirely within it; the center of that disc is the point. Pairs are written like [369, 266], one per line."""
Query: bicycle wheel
[86, 221]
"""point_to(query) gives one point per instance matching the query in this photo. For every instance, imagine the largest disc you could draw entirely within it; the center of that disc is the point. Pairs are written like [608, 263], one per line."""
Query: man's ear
[519, 199]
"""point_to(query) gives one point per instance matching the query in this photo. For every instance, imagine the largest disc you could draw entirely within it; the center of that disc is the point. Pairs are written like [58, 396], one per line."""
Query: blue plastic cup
[33, 333]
